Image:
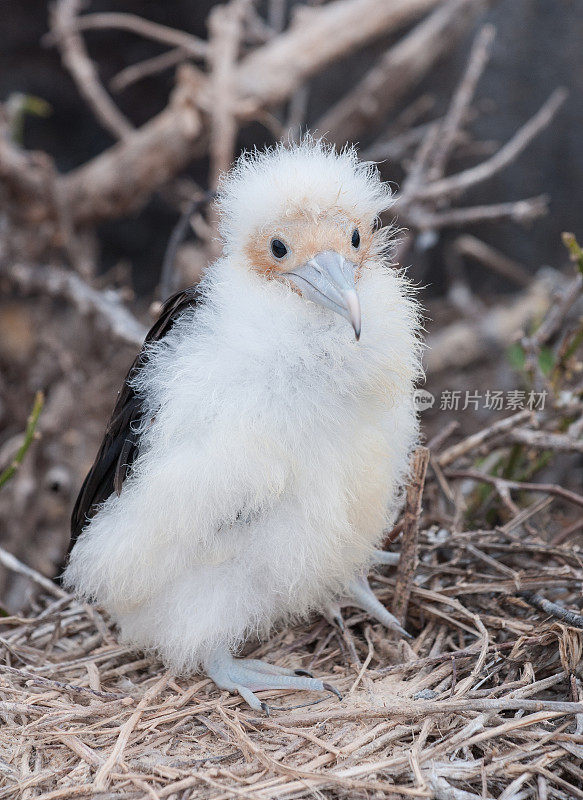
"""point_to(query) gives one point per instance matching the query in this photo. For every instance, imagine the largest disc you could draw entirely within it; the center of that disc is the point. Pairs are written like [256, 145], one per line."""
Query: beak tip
[357, 334]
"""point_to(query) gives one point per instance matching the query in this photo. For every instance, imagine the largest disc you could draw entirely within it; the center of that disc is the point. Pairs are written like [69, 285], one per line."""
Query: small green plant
[575, 249]
[29, 436]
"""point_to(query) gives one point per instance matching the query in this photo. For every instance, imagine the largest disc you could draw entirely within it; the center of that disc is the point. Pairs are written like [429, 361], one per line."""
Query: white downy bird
[260, 442]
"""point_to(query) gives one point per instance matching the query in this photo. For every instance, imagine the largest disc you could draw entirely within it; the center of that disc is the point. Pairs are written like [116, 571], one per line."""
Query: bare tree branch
[123, 177]
[195, 47]
[409, 549]
[225, 31]
[461, 100]
[467, 245]
[58, 282]
[456, 184]
[401, 68]
[63, 22]
[150, 66]
[516, 210]
[316, 38]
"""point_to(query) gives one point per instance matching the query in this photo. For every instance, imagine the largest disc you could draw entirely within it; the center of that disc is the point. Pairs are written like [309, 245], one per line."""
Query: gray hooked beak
[329, 279]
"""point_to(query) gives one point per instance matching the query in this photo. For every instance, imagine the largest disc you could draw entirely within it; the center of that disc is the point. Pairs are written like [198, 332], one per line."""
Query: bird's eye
[355, 239]
[278, 248]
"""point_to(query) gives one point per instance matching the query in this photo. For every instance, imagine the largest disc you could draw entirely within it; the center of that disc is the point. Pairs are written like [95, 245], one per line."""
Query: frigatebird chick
[261, 439]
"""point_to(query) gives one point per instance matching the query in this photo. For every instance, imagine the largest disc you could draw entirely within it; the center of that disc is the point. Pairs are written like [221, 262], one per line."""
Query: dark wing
[120, 445]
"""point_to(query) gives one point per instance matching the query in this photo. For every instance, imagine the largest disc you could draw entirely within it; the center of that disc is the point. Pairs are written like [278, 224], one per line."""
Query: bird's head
[306, 215]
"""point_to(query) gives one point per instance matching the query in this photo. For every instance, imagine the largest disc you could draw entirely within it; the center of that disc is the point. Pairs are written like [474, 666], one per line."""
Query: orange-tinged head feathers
[307, 197]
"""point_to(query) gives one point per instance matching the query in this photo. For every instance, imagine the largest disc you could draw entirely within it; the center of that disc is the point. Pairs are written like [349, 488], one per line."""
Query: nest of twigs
[483, 702]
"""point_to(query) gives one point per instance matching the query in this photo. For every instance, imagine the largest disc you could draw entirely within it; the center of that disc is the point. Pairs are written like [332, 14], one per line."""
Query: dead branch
[398, 70]
[397, 147]
[493, 480]
[467, 245]
[461, 100]
[317, 37]
[464, 342]
[556, 316]
[456, 184]
[409, 557]
[150, 66]
[225, 31]
[559, 442]
[63, 23]
[58, 282]
[12, 563]
[195, 47]
[476, 439]
[538, 601]
[27, 179]
[518, 211]
[123, 177]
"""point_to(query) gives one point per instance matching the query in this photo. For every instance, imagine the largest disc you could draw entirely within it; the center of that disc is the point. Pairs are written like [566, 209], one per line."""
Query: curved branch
[455, 184]
[64, 28]
[194, 46]
[398, 70]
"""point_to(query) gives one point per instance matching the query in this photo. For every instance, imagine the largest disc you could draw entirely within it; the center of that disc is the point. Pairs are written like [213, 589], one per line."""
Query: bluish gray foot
[384, 558]
[360, 595]
[248, 676]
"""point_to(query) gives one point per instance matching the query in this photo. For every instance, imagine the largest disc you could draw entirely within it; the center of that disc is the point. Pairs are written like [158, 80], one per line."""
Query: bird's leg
[384, 558]
[248, 676]
[360, 595]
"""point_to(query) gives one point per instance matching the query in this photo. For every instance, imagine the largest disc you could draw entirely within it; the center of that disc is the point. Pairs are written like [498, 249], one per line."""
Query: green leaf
[574, 248]
[516, 356]
[546, 360]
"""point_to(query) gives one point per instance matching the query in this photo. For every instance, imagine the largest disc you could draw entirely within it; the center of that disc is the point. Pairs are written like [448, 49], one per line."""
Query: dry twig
[409, 557]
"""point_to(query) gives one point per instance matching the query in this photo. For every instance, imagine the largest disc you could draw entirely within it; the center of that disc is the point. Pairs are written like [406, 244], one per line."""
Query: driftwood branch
[195, 47]
[122, 178]
[460, 103]
[58, 282]
[225, 31]
[398, 70]
[456, 184]
[64, 24]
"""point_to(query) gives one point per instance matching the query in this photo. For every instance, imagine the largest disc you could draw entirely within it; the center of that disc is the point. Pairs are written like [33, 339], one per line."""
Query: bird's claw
[333, 689]
[247, 676]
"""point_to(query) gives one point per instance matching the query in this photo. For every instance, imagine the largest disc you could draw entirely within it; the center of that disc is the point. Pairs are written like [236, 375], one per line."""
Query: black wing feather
[120, 444]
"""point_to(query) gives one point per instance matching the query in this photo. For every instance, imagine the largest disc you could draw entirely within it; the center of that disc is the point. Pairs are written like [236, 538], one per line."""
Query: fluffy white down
[312, 177]
[274, 453]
